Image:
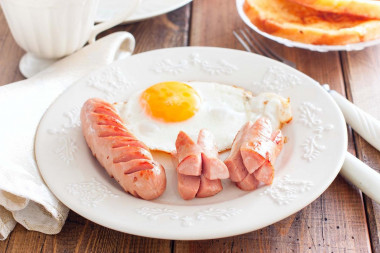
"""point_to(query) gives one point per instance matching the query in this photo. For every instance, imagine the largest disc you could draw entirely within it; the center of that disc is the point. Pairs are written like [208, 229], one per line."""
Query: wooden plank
[336, 221]
[25, 241]
[79, 234]
[10, 54]
[362, 74]
[212, 24]
[316, 228]
[170, 30]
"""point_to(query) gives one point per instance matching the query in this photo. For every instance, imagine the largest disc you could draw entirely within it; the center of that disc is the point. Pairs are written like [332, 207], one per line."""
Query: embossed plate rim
[227, 213]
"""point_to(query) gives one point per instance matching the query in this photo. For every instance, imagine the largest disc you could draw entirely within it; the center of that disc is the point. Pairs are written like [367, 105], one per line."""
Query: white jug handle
[120, 18]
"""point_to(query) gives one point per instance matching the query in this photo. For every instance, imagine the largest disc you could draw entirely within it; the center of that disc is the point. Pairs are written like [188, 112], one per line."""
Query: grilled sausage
[124, 157]
[253, 154]
[257, 144]
[265, 173]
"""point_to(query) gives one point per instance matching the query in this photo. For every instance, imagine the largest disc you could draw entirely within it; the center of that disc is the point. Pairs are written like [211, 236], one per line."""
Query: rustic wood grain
[24, 241]
[10, 54]
[170, 30]
[81, 235]
[336, 221]
[363, 79]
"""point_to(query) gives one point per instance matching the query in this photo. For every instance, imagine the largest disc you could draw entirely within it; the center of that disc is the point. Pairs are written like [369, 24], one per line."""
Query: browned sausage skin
[124, 157]
[253, 154]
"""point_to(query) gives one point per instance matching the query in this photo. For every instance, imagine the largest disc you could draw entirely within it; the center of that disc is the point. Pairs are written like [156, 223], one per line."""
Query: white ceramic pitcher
[51, 29]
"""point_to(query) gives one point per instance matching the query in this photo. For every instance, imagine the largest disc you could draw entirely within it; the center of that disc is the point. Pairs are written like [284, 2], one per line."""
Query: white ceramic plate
[147, 9]
[289, 43]
[310, 160]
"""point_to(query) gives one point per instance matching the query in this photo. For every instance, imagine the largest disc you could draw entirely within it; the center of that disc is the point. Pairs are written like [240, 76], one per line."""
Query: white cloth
[24, 197]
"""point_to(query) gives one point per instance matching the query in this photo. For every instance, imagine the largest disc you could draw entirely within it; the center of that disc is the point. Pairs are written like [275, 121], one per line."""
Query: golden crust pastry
[295, 22]
[362, 8]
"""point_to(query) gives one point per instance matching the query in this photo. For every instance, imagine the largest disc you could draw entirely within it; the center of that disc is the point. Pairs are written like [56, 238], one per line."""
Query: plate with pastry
[191, 143]
[315, 25]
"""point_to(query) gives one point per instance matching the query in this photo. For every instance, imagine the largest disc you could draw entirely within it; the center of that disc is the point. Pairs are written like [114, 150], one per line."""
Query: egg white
[223, 110]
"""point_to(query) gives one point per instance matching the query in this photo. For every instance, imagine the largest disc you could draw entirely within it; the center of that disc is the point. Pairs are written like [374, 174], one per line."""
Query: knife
[354, 170]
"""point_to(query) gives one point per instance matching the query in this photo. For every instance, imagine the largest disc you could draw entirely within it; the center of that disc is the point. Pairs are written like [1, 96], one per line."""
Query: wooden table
[341, 220]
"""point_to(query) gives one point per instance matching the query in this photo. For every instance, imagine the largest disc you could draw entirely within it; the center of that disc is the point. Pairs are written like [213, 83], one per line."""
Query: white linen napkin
[24, 197]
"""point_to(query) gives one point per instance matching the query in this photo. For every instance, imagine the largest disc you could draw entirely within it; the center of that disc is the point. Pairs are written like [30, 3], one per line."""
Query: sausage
[189, 155]
[188, 186]
[208, 187]
[124, 157]
[265, 173]
[199, 170]
[147, 182]
[212, 167]
[188, 166]
[278, 140]
[234, 161]
[253, 154]
[257, 144]
[249, 183]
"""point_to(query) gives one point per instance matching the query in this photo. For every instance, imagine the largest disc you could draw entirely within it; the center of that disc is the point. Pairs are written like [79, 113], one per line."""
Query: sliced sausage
[212, 167]
[196, 159]
[265, 173]
[255, 149]
[208, 187]
[188, 186]
[234, 161]
[189, 156]
[249, 183]
[257, 144]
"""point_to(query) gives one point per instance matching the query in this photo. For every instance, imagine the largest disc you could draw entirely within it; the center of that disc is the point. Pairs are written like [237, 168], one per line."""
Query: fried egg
[157, 114]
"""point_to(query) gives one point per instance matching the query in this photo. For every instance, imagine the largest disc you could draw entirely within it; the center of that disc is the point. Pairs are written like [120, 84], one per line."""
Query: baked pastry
[284, 18]
[362, 8]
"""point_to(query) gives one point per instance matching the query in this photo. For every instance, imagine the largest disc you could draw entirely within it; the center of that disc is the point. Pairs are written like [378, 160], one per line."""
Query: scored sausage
[253, 154]
[125, 158]
[257, 144]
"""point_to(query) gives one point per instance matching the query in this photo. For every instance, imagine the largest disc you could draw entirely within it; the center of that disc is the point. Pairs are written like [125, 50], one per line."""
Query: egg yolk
[170, 101]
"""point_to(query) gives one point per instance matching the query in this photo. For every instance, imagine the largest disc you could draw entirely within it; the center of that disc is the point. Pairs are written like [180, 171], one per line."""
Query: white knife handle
[362, 176]
[364, 124]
